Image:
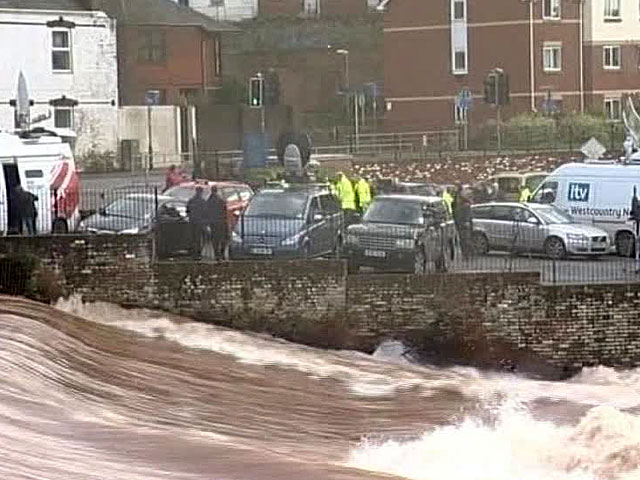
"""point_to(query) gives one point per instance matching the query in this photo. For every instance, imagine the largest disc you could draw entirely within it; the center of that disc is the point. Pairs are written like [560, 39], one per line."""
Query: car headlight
[287, 242]
[235, 238]
[405, 243]
[352, 239]
[574, 237]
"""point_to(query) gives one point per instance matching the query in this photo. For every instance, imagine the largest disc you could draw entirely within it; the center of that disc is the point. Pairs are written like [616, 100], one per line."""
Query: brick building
[166, 48]
[313, 8]
[583, 56]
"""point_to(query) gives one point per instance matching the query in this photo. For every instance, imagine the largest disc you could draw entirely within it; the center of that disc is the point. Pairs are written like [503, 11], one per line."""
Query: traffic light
[496, 87]
[255, 92]
[491, 88]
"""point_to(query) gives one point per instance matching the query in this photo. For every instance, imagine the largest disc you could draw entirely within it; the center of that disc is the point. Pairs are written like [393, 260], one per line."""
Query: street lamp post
[345, 53]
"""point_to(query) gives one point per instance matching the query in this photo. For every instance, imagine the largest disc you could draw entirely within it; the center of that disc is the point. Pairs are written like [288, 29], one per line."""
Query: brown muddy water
[96, 392]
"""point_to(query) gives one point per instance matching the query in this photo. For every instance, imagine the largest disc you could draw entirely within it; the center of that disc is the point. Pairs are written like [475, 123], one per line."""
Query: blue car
[287, 223]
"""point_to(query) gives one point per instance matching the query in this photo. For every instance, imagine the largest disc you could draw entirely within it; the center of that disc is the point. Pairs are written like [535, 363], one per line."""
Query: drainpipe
[581, 40]
[532, 64]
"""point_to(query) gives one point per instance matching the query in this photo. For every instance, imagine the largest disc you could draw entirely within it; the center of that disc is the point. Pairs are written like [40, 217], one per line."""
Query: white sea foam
[513, 446]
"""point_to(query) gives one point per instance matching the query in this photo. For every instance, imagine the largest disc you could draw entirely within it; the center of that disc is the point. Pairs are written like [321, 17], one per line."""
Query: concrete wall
[92, 80]
[486, 319]
[165, 123]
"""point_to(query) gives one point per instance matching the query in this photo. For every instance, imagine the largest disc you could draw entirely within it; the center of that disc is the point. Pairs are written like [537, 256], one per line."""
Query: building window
[63, 118]
[61, 50]
[611, 58]
[152, 47]
[459, 10]
[460, 62]
[552, 57]
[551, 9]
[612, 10]
[612, 109]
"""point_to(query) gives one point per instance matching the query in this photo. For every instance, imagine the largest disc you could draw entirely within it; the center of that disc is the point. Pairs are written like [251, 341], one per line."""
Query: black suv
[401, 233]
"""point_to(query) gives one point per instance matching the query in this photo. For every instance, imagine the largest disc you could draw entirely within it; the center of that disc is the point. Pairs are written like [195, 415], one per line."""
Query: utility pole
[357, 128]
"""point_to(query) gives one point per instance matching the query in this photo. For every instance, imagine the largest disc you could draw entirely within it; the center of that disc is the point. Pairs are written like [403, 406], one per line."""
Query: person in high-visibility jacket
[363, 194]
[447, 198]
[525, 194]
[345, 192]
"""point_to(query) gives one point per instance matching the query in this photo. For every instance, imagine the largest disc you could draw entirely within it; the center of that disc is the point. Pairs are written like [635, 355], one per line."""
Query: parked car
[401, 232]
[534, 228]
[236, 194]
[290, 222]
[130, 214]
[508, 185]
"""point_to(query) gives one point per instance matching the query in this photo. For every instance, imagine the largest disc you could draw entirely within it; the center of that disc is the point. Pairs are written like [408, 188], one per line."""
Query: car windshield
[132, 207]
[553, 216]
[401, 212]
[277, 204]
[534, 181]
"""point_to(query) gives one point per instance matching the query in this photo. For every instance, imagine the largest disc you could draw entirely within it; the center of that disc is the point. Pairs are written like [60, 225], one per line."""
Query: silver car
[535, 228]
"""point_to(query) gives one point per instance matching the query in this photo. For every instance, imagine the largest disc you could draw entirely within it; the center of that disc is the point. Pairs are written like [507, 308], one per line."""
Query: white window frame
[607, 111]
[68, 49]
[550, 47]
[556, 9]
[609, 8]
[464, 11]
[611, 49]
[465, 69]
[65, 109]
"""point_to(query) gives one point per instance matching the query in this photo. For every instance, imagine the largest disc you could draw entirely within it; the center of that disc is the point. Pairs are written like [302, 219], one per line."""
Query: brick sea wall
[489, 319]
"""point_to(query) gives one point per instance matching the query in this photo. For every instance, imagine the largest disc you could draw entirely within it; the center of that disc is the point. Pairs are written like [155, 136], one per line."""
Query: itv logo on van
[579, 192]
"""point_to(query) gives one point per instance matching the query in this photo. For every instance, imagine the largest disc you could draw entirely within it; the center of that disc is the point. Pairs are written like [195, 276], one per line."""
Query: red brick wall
[418, 60]
[183, 67]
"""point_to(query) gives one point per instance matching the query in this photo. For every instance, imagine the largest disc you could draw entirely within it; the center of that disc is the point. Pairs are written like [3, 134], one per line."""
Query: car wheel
[419, 262]
[60, 227]
[480, 243]
[554, 248]
[625, 244]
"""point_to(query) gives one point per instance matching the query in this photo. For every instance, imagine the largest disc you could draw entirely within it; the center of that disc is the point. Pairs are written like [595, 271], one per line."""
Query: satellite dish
[23, 107]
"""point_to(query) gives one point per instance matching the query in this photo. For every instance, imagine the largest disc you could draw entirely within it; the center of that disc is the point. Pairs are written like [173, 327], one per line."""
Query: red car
[236, 194]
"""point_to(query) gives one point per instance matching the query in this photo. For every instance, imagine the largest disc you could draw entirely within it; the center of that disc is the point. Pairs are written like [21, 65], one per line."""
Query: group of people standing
[23, 212]
[208, 221]
[354, 195]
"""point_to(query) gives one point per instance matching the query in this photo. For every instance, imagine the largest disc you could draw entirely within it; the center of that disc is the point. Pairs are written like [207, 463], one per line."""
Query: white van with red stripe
[43, 165]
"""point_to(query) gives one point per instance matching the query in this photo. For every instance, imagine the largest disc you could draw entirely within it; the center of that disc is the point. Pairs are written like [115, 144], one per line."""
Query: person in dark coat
[218, 224]
[196, 211]
[463, 220]
[27, 210]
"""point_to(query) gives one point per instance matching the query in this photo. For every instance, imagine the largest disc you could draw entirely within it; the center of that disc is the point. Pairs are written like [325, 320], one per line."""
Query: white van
[596, 194]
[44, 166]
